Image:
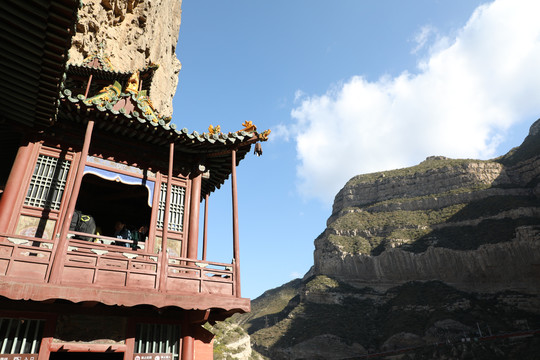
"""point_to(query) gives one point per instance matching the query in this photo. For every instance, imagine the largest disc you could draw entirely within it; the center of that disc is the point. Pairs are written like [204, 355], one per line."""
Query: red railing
[103, 265]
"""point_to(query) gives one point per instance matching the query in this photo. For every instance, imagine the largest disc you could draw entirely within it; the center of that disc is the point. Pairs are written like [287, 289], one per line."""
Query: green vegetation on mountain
[369, 318]
[375, 287]
[425, 166]
[527, 150]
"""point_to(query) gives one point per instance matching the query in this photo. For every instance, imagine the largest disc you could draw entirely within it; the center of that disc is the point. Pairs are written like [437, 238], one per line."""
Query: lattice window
[157, 339]
[20, 336]
[48, 183]
[176, 208]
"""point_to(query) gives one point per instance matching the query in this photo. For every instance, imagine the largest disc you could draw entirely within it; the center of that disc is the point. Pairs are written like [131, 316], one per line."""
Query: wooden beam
[95, 348]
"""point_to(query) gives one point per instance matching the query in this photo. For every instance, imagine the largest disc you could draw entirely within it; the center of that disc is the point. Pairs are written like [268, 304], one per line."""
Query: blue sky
[347, 87]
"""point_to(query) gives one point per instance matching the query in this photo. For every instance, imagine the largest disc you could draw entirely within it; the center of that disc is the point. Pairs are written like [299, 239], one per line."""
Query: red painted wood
[187, 339]
[60, 249]
[48, 334]
[88, 86]
[8, 201]
[193, 233]
[205, 228]
[236, 241]
[164, 256]
[78, 347]
[204, 351]
[18, 290]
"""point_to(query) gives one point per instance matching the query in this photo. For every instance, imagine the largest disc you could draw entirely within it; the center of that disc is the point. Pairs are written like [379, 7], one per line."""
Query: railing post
[236, 242]
[62, 244]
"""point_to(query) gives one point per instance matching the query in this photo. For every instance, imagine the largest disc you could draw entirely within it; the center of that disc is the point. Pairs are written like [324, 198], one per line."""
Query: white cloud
[295, 275]
[298, 94]
[469, 90]
[422, 37]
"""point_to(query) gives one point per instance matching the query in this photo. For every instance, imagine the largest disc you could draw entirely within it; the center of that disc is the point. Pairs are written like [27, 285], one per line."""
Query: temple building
[100, 199]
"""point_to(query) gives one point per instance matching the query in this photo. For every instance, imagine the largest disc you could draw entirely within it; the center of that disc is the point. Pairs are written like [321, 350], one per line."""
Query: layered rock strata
[472, 224]
[424, 262]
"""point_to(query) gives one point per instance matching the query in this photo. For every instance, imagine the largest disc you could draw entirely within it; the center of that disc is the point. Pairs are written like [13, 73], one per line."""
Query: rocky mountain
[134, 33]
[435, 261]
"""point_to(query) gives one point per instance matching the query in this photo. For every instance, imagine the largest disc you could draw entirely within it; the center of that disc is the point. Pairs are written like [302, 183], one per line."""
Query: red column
[88, 86]
[11, 191]
[193, 234]
[205, 228]
[47, 337]
[187, 339]
[165, 233]
[236, 241]
[61, 246]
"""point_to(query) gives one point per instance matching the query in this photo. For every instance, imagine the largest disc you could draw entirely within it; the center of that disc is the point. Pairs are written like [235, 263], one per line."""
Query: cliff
[135, 33]
[472, 224]
[437, 253]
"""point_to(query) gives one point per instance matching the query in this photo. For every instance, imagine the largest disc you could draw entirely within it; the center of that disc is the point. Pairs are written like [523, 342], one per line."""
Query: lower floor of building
[61, 330]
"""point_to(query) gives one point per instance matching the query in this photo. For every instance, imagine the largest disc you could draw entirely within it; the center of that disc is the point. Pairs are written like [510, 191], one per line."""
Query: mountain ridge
[431, 254]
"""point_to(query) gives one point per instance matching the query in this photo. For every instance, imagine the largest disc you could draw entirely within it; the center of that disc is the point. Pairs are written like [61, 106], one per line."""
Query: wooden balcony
[114, 275]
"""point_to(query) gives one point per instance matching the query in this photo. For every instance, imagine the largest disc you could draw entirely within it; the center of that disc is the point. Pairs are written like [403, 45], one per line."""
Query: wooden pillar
[205, 228]
[62, 244]
[236, 241]
[188, 343]
[47, 337]
[8, 201]
[150, 244]
[130, 339]
[88, 86]
[193, 234]
[164, 256]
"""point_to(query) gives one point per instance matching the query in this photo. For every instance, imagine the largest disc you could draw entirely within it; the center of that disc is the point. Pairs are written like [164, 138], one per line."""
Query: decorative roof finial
[101, 48]
[99, 59]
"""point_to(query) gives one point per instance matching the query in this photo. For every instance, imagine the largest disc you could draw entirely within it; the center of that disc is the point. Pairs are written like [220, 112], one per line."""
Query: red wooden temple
[83, 144]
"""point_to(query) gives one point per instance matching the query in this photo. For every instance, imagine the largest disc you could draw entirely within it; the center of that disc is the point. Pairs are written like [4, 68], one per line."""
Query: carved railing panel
[25, 257]
[88, 263]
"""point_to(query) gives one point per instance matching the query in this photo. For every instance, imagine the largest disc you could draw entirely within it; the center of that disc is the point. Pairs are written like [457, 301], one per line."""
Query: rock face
[421, 262]
[472, 224]
[135, 33]
[231, 342]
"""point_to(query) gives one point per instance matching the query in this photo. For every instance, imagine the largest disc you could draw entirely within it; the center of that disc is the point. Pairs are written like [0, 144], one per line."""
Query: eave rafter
[127, 113]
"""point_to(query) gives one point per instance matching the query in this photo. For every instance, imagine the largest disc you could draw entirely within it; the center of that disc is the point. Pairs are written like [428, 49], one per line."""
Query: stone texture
[322, 347]
[402, 340]
[435, 181]
[135, 33]
[497, 267]
[438, 183]
[431, 301]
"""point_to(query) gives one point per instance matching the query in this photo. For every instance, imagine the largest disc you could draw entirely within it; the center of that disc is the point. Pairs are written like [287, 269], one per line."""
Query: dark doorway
[86, 356]
[108, 201]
